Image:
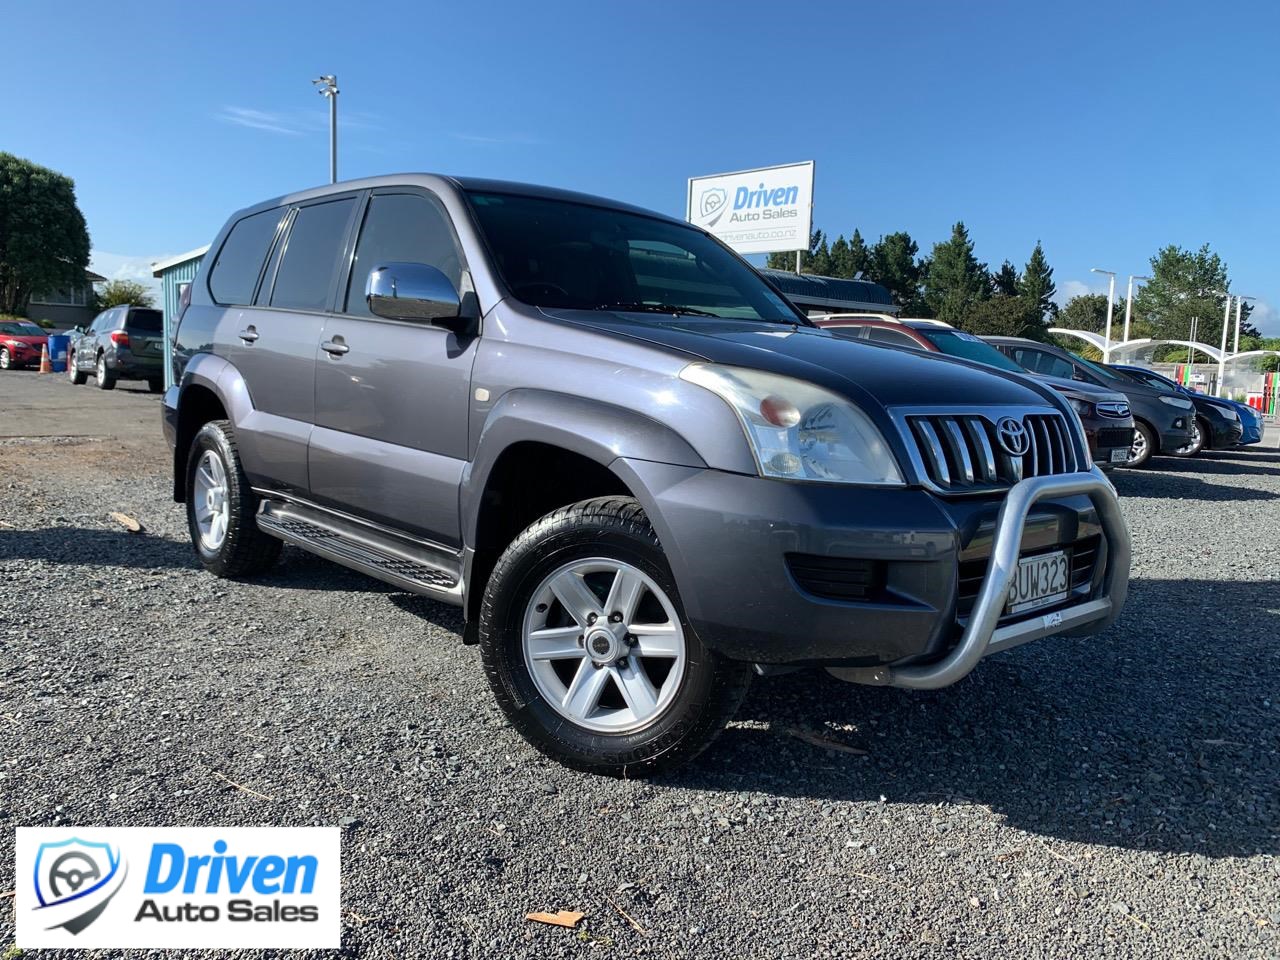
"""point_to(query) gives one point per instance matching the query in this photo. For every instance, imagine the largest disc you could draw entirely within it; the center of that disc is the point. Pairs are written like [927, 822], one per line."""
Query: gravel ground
[1111, 797]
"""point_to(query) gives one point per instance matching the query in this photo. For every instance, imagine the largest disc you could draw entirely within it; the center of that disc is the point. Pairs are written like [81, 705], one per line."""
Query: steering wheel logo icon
[75, 880]
[73, 876]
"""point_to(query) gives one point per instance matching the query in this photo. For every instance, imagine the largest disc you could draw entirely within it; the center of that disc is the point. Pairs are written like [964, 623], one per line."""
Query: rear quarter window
[234, 275]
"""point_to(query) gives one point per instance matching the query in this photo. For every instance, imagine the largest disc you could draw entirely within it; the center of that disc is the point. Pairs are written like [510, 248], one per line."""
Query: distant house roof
[160, 266]
[807, 289]
[94, 277]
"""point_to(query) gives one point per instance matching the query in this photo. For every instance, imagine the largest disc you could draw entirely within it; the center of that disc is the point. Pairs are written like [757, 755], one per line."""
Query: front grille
[1116, 410]
[964, 453]
[838, 578]
[1115, 437]
[1084, 557]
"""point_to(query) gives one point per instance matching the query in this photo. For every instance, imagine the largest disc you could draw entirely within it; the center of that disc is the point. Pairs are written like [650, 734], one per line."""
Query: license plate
[1040, 581]
[1120, 455]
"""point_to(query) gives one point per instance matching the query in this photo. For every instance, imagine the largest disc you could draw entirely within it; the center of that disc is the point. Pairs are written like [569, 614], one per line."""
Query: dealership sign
[175, 887]
[756, 211]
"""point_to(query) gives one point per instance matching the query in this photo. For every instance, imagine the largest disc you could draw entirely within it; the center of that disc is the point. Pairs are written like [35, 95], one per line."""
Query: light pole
[1111, 300]
[1128, 304]
[1222, 350]
[328, 85]
[1239, 299]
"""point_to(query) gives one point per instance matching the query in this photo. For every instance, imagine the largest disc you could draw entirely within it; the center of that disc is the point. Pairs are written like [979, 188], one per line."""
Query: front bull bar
[981, 636]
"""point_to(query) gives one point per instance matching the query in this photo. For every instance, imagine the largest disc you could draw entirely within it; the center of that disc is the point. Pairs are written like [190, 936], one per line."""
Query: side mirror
[414, 292]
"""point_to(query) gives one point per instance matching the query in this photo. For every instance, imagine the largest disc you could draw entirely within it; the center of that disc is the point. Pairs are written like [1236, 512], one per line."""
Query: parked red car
[21, 342]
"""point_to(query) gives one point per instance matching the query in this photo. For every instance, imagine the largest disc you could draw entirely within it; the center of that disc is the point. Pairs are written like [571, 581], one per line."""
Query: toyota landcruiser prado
[636, 467]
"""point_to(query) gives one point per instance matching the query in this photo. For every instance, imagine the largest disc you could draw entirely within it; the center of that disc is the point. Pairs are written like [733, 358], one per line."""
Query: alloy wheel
[1138, 451]
[211, 508]
[1195, 443]
[4, 359]
[604, 645]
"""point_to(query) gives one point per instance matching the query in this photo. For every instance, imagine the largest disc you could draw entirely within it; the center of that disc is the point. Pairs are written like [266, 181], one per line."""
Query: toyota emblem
[1013, 436]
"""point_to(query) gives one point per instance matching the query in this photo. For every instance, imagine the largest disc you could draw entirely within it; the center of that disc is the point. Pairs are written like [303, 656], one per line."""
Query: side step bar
[410, 565]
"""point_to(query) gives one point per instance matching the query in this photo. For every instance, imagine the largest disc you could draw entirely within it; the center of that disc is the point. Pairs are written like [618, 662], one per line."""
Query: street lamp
[1111, 299]
[328, 85]
[1238, 302]
[1222, 349]
[1128, 304]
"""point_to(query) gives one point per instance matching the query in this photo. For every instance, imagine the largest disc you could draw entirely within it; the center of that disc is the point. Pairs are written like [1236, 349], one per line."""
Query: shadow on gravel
[1158, 735]
[1148, 483]
[1217, 464]
[78, 545]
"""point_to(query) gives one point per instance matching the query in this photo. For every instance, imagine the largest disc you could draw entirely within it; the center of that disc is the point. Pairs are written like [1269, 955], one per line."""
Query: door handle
[249, 334]
[334, 347]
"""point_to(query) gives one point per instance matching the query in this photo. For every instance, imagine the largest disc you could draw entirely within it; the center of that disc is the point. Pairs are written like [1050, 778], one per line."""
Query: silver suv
[637, 468]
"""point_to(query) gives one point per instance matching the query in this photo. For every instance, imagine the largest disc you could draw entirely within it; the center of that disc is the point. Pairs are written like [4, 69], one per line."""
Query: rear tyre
[1199, 434]
[588, 650]
[105, 380]
[76, 377]
[6, 361]
[155, 386]
[1144, 445]
[221, 507]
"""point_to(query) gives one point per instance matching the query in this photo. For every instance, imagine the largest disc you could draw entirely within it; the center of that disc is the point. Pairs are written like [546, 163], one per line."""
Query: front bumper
[1225, 434]
[1176, 432]
[731, 541]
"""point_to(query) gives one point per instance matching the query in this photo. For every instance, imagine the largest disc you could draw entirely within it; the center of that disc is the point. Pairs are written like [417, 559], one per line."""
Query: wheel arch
[211, 389]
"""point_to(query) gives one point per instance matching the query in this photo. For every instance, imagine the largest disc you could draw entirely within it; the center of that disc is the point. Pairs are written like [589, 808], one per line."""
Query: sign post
[768, 210]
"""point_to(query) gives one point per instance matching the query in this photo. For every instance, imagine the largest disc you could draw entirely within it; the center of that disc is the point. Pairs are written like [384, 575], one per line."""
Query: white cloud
[123, 266]
[481, 138]
[259, 120]
[1074, 288]
[297, 123]
[1266, 318]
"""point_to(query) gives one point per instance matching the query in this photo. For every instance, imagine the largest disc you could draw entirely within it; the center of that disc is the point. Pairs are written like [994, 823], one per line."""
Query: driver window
[406, 227]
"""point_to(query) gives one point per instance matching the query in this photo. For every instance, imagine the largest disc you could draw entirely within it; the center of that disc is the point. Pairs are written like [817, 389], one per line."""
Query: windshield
[957, 343]
[20, 328]
[556, 253]
[1150, 379]
[1098, 368]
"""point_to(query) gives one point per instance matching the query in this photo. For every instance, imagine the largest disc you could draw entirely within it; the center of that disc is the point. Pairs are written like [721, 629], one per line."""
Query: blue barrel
[58, 347]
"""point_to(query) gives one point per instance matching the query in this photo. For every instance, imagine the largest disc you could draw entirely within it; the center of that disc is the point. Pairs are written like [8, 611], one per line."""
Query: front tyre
[1144, 445]
[74, 375]
[6, 360]
[588, 650]
[1199, 434]
[221, 507]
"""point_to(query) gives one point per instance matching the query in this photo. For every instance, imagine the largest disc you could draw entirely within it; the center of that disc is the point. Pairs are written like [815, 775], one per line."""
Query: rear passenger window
[406, 227]
[305, 275]
[893, 337]
[235, 273]
[1037, 361]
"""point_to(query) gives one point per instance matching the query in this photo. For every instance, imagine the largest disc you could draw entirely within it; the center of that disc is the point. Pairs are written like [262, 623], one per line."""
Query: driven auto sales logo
[178, 887]
[75, 880]
[713, 204]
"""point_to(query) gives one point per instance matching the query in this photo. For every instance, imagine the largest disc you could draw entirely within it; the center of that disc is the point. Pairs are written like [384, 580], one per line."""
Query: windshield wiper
[638, 306]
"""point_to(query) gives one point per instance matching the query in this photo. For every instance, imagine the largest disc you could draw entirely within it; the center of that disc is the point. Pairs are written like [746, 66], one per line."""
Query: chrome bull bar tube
[981, 636]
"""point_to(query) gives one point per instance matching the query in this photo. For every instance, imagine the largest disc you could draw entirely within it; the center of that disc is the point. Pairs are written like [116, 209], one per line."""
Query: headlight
[799, 431]
[1178, 402]
[1230, 413]
[1083, 408]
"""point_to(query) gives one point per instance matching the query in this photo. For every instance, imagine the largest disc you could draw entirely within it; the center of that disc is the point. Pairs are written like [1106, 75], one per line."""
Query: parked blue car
[1251, 427]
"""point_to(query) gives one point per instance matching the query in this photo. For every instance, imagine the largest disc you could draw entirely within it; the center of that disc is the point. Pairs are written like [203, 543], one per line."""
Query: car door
[272, 340]
[392, 397]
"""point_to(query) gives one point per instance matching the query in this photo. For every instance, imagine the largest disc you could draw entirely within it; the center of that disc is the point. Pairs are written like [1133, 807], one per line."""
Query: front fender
[599, 431]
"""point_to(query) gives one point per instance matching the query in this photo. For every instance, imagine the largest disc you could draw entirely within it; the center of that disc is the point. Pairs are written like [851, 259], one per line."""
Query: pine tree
[840, 263]
[893, 265]
[1036, 285]
[1004, 282]
[955, 280]
[859, 255]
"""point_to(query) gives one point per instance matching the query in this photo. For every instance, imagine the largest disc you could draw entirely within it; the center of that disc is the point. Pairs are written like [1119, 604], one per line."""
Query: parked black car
[123, 343]
[1217, 424]
[1163, 420]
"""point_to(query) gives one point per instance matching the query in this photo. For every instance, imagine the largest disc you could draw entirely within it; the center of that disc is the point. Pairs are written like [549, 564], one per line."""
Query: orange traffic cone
[45, 365]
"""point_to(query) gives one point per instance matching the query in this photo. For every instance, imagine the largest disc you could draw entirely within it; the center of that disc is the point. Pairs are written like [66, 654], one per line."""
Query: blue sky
[1104, 130]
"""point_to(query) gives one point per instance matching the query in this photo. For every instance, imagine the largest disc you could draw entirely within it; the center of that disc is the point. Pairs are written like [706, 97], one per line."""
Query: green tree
[894, 266]
[1004, 282]
[1002, 315]
[116, 293]
[1185, 284]
[44, 243]
[955, 280]
[1088, 311]
[840, 263]
[1036, 285]
[859, 255]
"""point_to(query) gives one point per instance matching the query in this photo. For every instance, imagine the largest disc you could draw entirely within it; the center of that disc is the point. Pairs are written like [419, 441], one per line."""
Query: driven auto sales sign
[178, 887]
[756, 211]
